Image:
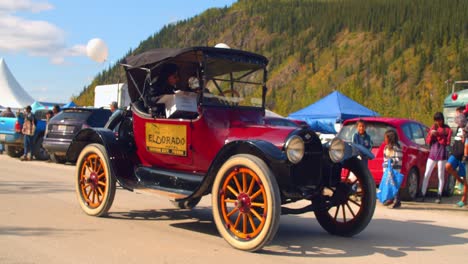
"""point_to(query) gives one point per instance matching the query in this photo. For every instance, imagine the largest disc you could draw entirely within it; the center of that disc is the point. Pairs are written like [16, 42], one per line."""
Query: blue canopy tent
[333, 108]
[69, 104]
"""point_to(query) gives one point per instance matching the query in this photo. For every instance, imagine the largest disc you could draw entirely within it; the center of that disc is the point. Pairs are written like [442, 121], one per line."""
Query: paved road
[41, 222]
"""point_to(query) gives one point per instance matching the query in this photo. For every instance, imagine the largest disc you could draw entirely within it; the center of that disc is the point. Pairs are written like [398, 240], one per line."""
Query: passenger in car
[165, 84]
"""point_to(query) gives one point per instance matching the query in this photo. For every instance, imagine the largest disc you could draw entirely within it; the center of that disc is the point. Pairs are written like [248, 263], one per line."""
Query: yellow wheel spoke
[232, 190]
[230, 200]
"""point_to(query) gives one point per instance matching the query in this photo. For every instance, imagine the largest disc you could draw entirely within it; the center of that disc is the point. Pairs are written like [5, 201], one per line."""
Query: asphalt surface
[41, 222]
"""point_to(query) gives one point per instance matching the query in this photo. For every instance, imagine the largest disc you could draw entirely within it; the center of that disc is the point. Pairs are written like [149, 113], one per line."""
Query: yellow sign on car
[166, 139]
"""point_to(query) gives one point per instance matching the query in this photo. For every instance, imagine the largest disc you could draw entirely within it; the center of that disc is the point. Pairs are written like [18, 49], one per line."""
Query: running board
[169, 183]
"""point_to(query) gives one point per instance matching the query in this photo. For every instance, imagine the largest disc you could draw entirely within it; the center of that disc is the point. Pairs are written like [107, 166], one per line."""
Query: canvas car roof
[218, 61]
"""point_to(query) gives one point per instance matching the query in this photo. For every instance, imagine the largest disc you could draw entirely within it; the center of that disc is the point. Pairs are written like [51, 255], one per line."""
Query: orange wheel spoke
[237, 184]
[256, 214]
[244, 182]
[101, 192]
[255, 194]
[101, 175]
[244, 223]
[102, 183]
[237, 221]
[252, 223]
[252, 184]
[232, 190]
[258, 204]
[351, 210]
[230, 200]
[232, 212]
[100, 167]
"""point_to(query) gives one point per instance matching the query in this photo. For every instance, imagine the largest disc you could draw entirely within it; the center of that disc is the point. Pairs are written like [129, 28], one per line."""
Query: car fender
[265, 150]
[121, 165]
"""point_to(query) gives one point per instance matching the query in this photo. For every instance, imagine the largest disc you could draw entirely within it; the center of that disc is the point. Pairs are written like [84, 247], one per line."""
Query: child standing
[361, 137]
[393, 154]
[438, 138]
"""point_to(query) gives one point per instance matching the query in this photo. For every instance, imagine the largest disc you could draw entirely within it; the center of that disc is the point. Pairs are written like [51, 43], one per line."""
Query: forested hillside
[392, 56]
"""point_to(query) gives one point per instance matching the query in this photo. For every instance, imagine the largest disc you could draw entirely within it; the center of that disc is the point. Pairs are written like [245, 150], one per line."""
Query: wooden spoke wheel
[246, 202]
[95, 186]
[354, 198]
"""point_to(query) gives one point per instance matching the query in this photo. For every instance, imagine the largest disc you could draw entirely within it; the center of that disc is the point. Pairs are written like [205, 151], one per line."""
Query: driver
[166, 83]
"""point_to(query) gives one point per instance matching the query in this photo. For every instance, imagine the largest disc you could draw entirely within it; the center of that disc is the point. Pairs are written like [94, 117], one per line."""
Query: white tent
[12, 94]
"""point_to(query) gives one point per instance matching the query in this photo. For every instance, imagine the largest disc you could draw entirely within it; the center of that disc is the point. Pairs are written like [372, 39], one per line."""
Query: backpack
[29, 127]
[458, 149]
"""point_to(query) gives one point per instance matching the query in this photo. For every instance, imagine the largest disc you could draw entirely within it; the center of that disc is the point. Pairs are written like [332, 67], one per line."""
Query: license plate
[62, 128]
[2, 137]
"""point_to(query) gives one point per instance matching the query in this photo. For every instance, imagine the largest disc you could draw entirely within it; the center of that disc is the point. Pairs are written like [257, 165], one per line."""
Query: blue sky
[44, 42]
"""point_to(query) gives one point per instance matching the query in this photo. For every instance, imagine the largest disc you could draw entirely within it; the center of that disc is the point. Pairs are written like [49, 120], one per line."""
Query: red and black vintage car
[211, 138]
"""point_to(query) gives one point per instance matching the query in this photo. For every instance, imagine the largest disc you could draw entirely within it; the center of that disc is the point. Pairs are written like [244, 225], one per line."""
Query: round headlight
[295, 149]
[337, 150]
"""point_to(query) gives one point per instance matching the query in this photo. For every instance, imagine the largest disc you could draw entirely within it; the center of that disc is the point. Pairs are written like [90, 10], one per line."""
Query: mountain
[393, 56]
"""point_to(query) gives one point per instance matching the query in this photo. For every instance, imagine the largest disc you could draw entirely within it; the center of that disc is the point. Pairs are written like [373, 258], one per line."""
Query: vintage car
[213, 140]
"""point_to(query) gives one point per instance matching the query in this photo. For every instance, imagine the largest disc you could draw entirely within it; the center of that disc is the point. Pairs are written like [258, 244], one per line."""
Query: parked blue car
[12, 138]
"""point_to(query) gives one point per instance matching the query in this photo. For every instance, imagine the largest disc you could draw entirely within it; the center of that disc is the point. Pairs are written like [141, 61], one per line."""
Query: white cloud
[34, 37]
[10, 6]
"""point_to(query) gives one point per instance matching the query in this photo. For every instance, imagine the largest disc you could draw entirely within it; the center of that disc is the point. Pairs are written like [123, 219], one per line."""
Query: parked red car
[412, 136]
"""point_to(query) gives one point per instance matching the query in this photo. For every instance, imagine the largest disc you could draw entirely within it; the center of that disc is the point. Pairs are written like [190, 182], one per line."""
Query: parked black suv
[63, 127]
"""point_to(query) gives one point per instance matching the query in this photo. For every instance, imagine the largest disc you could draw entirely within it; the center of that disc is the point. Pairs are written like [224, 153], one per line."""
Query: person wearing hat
[113, 106]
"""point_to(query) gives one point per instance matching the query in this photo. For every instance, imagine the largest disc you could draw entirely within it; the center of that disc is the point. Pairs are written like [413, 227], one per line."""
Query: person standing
[438, 138]
[455, 161]
[393, 154]
[28, 132]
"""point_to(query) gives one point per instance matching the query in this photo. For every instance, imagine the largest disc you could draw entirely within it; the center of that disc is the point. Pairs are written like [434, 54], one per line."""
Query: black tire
[246, 202]
[359, 202]
[186, 204]
[449, 186]
[14, 152]
[58, 158]
[410, 191]
[95, 186]
[39, 151]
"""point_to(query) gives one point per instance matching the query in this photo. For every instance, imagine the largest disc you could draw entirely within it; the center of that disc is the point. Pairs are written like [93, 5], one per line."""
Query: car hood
[275, 134]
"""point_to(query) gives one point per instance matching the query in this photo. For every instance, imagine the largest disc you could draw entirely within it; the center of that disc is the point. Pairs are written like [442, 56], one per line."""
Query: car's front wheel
[95, 186]
[246, 202]
[354, 201]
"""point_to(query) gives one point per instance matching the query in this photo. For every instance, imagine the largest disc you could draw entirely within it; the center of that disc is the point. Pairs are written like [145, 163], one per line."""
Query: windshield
[241, 88]
[376, 132]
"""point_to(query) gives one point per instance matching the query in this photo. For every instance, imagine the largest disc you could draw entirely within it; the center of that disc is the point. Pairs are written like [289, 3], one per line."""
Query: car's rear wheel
[246, 202]
[410, 191]
[13, 151]
[355, 199]
[58, 158]
[39, 151]
[95, 186]
[449, 186]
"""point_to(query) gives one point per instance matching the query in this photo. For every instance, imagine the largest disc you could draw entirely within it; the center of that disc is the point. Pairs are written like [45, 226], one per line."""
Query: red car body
[412, 136]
